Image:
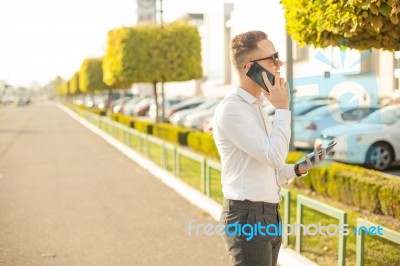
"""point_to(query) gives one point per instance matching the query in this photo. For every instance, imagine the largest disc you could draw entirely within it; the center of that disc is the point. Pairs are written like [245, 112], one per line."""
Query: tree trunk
[162, 103]
[156, 100]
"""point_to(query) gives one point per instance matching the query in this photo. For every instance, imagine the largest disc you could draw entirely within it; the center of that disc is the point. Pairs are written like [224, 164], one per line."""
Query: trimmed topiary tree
[64, 89]
[152, 54]
[91, 75]
[74, 84]
[358, 24]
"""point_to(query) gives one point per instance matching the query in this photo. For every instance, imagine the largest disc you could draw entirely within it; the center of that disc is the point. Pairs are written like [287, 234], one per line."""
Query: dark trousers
[247, 246]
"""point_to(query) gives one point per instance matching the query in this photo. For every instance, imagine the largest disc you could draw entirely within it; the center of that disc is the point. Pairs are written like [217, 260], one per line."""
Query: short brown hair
[243, 44]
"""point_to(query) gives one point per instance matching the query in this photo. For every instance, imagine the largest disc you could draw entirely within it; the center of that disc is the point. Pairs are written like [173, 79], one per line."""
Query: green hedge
[162, 130]
[132, 122]
[127, 120]
[97, 111]
[355, 186]
[203, 142]
[94, 110]
[171, 133]
[144, 126]
[113, 116]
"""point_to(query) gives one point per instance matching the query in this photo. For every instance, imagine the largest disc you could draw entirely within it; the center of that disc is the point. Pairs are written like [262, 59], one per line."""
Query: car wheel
[379, 156]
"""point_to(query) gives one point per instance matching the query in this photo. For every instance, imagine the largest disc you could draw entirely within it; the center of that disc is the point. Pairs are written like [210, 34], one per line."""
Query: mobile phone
[255, 73]
[329, 148]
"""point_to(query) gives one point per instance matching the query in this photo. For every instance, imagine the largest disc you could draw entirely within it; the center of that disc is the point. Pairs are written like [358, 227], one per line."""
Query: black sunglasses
[274, 57]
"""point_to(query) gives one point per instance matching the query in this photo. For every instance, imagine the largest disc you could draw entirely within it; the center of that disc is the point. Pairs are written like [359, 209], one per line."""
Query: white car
[195, 120]
[374, 142]
[309, 127]
[168, 102]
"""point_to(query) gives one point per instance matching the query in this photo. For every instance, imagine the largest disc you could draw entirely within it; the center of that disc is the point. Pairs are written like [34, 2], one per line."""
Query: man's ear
[247, 66]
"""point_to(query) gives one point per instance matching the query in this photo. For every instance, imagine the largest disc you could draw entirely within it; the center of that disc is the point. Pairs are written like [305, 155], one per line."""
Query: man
[253, 152]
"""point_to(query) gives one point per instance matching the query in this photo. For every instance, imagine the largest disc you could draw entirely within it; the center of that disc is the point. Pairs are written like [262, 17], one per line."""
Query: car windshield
[304, 109]
[386, 117]
[346, 112]
[319, 112]
[206, 104]
[173, 101]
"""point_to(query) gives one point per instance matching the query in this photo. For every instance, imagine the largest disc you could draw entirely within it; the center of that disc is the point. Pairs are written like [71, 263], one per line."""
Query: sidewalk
[69, 198]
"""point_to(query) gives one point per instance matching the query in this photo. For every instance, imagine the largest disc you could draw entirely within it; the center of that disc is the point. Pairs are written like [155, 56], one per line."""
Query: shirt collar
[248, 97]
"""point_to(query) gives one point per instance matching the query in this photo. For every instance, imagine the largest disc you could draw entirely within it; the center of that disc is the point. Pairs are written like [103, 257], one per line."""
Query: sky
[42, 39]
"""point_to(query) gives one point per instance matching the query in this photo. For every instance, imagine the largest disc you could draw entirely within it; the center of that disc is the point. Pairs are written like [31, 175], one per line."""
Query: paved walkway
[68, 198]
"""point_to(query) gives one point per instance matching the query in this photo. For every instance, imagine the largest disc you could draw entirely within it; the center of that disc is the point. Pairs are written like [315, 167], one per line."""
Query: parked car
[207, 124]
[179, 117]
[101, 102]
[307, 128]
[142, 107]
[168, 102]
[129, 107]
[302, 108]
[89, 101]
[308, 98]
[78, 100]
[23, 100]
[184, 105]
[196, 120]
[374, 142]
[118, 104]
[116, 98]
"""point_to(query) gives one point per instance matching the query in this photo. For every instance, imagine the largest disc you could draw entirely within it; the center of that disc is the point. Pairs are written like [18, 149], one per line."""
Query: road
[68, 198]
[394, 171]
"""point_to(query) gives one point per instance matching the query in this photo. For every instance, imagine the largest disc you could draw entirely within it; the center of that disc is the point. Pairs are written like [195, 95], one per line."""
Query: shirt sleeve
[241, 130]
[286, 174]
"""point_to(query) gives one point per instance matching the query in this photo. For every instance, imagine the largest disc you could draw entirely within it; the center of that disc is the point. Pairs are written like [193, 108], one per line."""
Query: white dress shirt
[253, 150]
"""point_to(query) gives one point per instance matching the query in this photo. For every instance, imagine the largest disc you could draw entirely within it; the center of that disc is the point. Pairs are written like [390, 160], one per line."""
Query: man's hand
[303, 168]
[278, 94]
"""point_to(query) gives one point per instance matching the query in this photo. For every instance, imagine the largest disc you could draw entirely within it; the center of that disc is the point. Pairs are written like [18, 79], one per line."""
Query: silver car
[307, 128]
[179, 117]
[374, 142]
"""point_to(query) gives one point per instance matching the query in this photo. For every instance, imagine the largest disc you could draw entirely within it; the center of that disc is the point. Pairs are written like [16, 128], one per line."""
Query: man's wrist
[298, 172]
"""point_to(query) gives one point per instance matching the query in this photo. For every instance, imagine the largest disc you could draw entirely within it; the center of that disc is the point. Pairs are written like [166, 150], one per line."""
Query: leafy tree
[63, 89]
[359, 24]
[56, 84]
[74, 84]
[152, 54]
[91, 75]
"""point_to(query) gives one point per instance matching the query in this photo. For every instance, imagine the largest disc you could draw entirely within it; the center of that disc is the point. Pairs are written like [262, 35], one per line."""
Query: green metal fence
[210, 165]
[363, 229]
[285, 194]
[181, 152]
[327, 210]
